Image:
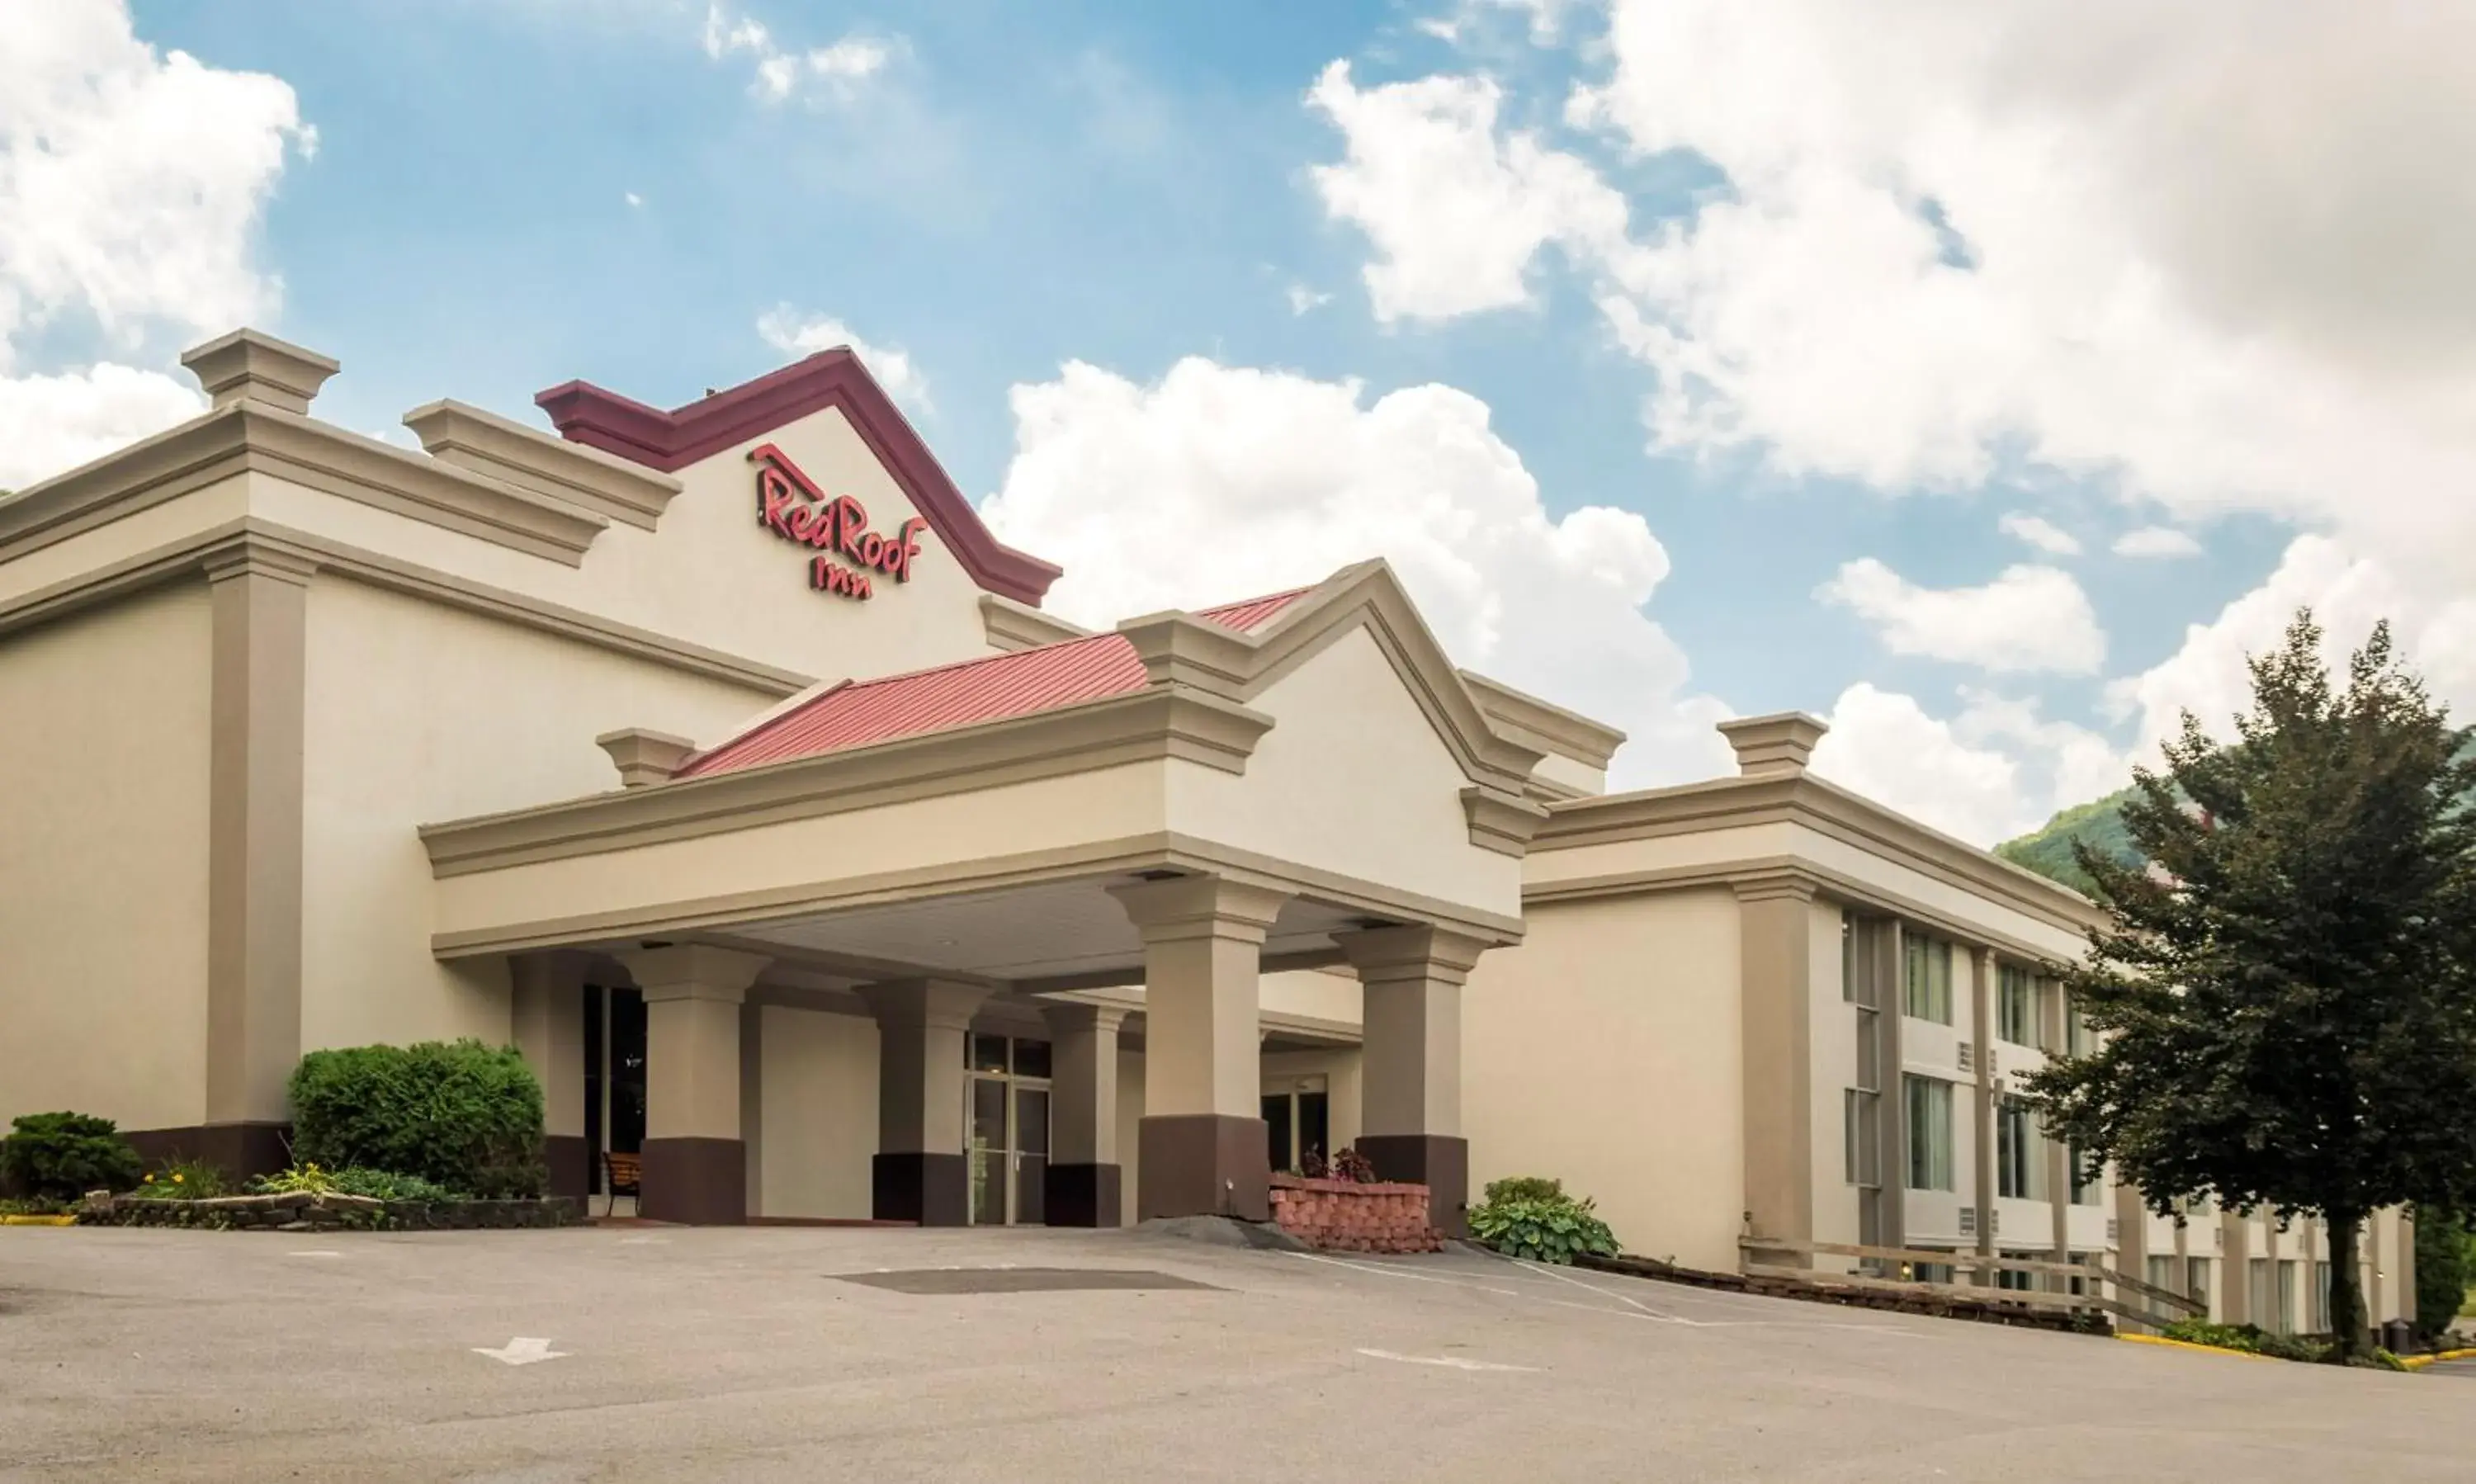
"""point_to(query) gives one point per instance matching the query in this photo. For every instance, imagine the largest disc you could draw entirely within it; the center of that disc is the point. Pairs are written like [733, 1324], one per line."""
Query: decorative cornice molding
[1013, 625]
[670, 441]
[1501, 821]
[1723, 803]
[498, 448]
[253, 437]
[1543, 725]
[1782, 876]
[711, 917]
[260, 539]
[1098, 735]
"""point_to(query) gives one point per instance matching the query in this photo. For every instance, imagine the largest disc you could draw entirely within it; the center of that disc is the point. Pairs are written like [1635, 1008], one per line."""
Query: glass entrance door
[1006, 1119]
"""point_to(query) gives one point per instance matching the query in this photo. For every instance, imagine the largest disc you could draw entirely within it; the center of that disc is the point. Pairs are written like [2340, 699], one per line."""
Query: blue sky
[502, 196]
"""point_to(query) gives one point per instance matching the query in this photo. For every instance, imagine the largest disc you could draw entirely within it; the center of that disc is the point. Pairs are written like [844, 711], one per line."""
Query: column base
[701, 1183]
[1440, 1162]
[1084, 1195]
[932, 1190]
[1202, 1164]
[571, 1165]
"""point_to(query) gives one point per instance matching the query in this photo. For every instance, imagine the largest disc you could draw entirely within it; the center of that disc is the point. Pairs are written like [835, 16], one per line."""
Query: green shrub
[376, 1184]
[1534, 1220]
[380, 1185]
[2253, 1340]
[1524, 1187]
[66, 1155]
[187, 1180]
[457, 1114]
[34, 1206]
[305, 1179]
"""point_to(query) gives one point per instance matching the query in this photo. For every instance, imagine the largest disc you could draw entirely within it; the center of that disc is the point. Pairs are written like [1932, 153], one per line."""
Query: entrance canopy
[1300, 781]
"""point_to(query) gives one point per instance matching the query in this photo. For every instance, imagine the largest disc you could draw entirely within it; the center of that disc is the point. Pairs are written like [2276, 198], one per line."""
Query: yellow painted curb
[2419, 1362]
[2187, 1345]
[38, 1220]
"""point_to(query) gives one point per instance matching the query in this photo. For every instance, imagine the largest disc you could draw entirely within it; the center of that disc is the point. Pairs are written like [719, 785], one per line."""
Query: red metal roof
[858, 712]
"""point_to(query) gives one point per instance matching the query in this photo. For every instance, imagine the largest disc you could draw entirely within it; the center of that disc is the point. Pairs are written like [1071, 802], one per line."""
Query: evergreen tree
[2284, 1001]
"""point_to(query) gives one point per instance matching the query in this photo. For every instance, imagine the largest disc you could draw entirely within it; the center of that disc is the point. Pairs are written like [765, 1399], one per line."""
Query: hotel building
[722, 760]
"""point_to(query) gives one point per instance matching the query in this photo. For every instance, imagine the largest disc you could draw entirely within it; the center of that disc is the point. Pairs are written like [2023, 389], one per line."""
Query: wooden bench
[621, 1176]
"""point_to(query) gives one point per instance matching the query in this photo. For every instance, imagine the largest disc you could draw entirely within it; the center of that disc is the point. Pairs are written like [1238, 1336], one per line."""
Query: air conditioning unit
[2218, 1236]
[2114, 1231]
[1968, 1057]
[1994, 1221]
[1968, 1221]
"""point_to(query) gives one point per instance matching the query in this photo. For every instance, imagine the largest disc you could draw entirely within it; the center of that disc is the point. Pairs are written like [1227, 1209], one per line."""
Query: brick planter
[298, 1212]
[1344, 1216]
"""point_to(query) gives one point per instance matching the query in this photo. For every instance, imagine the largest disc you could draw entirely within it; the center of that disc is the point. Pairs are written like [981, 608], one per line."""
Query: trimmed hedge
[64, 1155]
[459, 1114]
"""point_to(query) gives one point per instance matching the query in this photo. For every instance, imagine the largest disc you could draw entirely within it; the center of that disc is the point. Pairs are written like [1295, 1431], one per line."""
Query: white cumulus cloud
[2043, 533]
[2029, 618]
[794, 333]
[2149, 542]
[1993, 770]
[837, 70]
[1218, 483]
[132, 184]
[2348, 594]
[1456, 212]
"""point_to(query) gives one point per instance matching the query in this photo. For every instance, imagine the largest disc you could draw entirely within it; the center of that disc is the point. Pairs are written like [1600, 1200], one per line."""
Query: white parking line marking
[1395, 1272]
[1448, 1361]
[315, 1252]
[522, 1351]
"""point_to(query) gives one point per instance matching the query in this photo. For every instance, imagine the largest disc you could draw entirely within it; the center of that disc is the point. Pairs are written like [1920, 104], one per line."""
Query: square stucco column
[1410, 1088]
[1202, 1142]
[1082, 1186]
[547, 1014]
[258, 602]
[1775, 922]
[695, 1160]
[920, 1173]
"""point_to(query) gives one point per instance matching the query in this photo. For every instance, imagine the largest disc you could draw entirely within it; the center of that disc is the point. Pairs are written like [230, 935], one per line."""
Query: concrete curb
[2187, 1345]
[38, 1220]
[2419, 1362]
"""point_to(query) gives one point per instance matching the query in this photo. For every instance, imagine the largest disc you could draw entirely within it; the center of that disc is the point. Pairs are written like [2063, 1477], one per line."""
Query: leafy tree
[2284, 998]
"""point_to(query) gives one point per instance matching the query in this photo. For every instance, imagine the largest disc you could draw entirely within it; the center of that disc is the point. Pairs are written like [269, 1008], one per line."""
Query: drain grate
[1018, 1280]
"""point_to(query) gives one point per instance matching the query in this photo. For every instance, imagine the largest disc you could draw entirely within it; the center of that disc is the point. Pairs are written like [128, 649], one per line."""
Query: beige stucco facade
[591, 743]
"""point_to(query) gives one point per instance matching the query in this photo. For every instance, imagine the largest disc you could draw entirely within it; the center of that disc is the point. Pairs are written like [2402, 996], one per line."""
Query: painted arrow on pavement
[523, 1351]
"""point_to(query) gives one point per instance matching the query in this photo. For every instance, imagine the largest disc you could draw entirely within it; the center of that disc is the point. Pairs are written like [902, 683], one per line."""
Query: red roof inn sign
[790, 504]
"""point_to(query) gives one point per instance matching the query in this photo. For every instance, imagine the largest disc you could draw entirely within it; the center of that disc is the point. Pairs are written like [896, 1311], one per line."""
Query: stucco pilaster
[259, 599]
[1774, 921]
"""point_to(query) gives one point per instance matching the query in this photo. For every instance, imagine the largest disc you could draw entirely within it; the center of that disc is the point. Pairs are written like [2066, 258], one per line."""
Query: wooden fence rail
[2093, 1273]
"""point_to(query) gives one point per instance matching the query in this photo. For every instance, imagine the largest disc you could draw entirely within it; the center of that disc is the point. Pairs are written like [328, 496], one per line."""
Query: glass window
[987, 1054]
[2011, 1277]
[2320, 1298]
[1929, 1111]
[2015, 1006]
[2287, 1296]
[2077, 1037]
[1031, 1058]
[2196, 1281]
[1847, 958]
[2088, 1190]
[2019, 1158]
[1926, 980]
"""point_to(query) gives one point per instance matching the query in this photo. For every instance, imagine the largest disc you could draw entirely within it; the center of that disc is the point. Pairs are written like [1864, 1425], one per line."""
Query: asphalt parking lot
[803, 1354]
